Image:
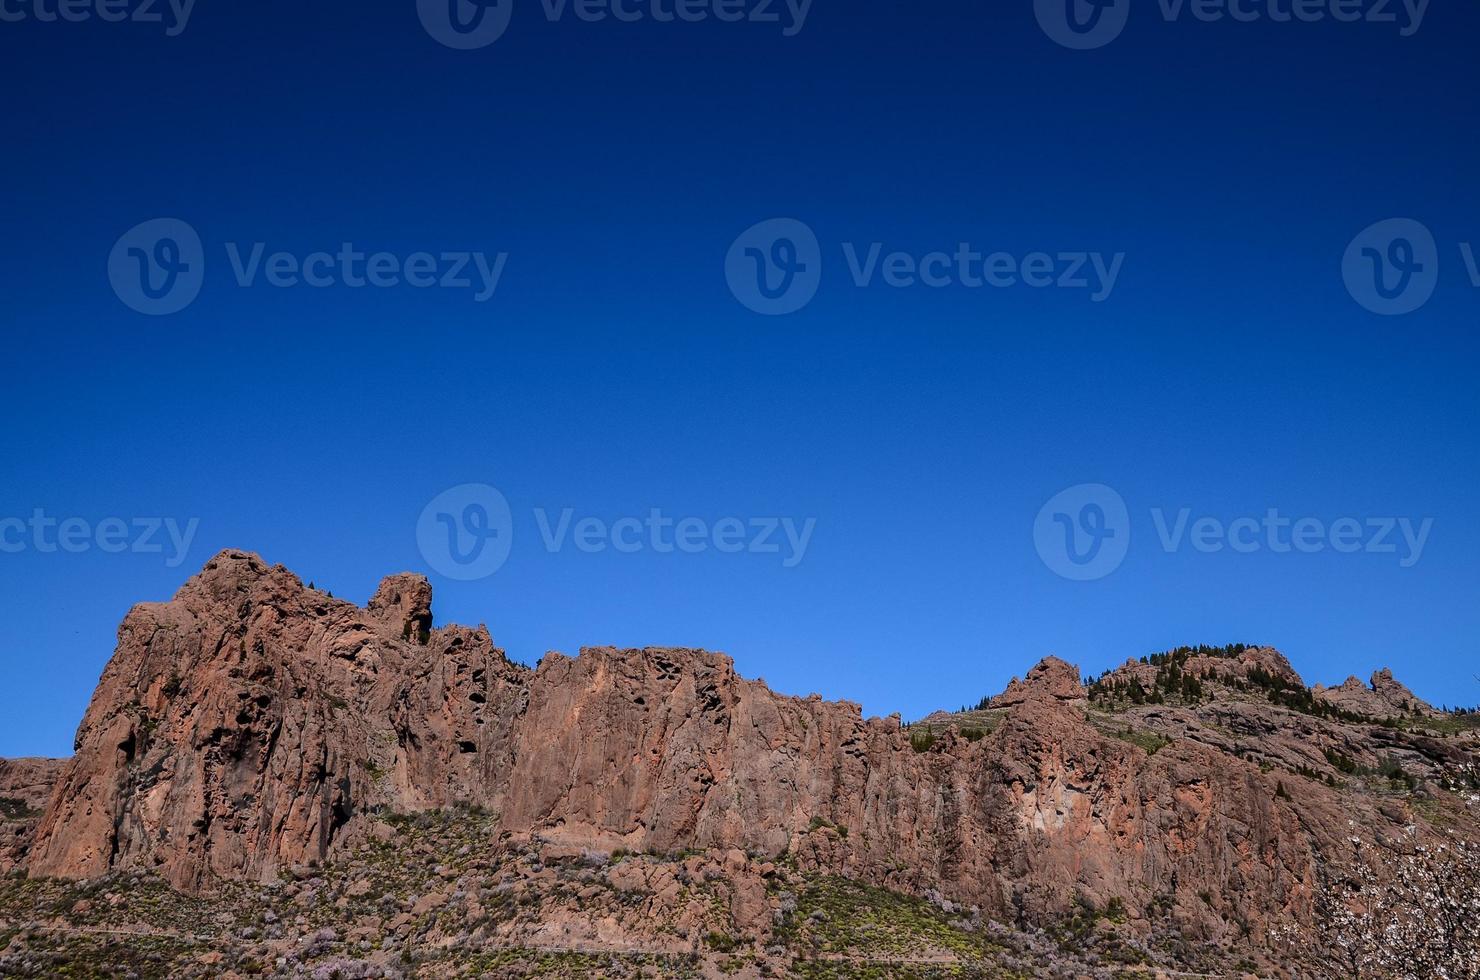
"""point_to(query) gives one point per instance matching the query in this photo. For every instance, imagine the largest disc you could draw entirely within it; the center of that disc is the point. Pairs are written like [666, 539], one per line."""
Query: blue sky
[1228, 373]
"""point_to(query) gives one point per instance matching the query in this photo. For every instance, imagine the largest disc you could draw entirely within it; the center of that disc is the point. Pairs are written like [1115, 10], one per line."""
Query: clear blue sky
[613, 372]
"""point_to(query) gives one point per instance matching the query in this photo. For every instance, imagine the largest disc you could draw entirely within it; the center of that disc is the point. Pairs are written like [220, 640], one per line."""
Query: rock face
[1052, 678]
[1236, 663]
[1385, 697]
[1394, 693]
[26, 786]
[668, 750]
[253, 724]
[241, 727]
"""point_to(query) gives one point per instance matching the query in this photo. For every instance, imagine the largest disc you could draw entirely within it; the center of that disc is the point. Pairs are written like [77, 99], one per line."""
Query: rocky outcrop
[253, 724]
[27, 784]
[1386, 687]
[1052, 678]
[1385, 697]
[26, 787]
[666, 750]
[1266, 659]
[1236, 664]
[1355, 697]
[243, 725]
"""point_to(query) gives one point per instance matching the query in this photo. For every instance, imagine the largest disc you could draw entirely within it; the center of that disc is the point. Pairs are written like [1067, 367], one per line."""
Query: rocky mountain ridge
[253, 727]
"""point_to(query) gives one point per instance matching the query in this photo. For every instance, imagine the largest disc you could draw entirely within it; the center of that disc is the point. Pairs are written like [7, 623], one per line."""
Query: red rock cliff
[252, 722]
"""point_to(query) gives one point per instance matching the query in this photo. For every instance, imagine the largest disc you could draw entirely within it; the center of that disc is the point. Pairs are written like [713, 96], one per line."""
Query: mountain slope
[1202, 800]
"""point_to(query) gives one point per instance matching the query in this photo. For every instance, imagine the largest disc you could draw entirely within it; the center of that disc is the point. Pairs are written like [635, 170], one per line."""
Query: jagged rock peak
[1272, 662]
[660, 659]
[1236, 662]
[254, 725]
[1051, 679]
[1384, 697]
[1394, 692]
[404, 604]
[266, 716]
[227, 572]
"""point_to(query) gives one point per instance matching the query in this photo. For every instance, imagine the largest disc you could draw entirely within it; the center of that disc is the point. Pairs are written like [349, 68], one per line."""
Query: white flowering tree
[1414, 913]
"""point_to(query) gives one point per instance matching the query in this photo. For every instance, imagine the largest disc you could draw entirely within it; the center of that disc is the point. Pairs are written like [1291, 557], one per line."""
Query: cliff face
[1385, 697]
[26, 786]
[243, 725]
[253, 724]
[671, 750]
